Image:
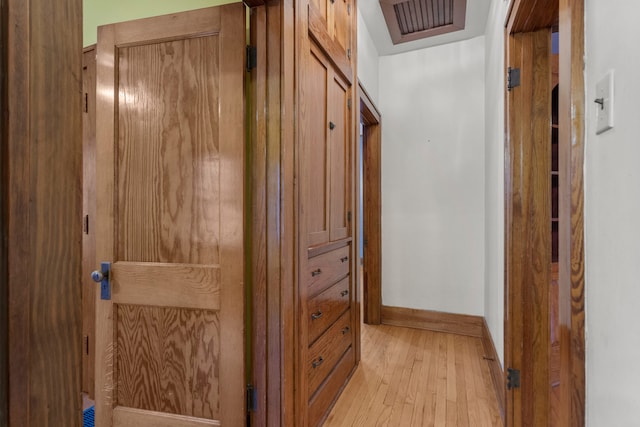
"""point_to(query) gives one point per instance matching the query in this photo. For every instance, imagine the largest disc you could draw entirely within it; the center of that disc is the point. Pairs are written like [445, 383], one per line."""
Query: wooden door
[528, 228]
[89, 217]
[339, 149]
[170, 185]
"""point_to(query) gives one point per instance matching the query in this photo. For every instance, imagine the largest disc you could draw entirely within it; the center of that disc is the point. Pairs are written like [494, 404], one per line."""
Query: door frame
[526, 16]
[370, 161]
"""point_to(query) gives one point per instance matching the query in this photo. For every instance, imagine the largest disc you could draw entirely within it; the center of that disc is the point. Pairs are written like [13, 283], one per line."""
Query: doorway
[370, 244]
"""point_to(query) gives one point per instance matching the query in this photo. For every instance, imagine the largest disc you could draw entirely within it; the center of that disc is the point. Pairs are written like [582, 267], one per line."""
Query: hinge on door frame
[85, 340]
[348, 8]
[349, 216]
[85, 224]
[86, 102]
[252, 57]
[513, 78]
[252, 398]
[349, 103]
[513, 378]
[349, 53]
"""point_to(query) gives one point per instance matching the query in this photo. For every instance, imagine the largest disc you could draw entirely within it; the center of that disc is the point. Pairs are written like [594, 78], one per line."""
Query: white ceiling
[477, 11]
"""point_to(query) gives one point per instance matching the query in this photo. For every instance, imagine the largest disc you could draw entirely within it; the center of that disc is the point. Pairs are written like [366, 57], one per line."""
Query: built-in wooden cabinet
[328, 334]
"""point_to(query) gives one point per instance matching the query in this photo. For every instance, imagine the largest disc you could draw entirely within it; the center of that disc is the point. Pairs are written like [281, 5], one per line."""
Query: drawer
[326, 269]
[327, 351]
[322, 402]
[326, 307]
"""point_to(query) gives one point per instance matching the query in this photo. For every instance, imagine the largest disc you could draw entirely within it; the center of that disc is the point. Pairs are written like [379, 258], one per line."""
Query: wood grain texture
[528, 245]
[168, 154]
[325, 353]
[412, 377]
[531, 15]
[4, 231]
[326, 269]
[325, 40]
[89, 288]
[185, 286]
[318, 202]
[572, 263]
[43, 145]
[461, 324]
[125, 417]
[372, 208]
[340, 159]
[327, 307]
[168, 360]
[194, 172]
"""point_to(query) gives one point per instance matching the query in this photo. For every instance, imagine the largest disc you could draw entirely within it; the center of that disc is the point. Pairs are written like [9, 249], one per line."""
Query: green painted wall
[100, 12]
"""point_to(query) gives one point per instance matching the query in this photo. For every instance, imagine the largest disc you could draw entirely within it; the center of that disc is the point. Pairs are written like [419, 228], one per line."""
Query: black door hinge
[252, 398]
[252, 57]
[513, 78]
[349, 216]
[86, 102]
[349, 103]
[513, 378]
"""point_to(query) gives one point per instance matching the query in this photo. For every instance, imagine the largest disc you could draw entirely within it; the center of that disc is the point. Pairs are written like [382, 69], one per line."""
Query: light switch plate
[604, 103]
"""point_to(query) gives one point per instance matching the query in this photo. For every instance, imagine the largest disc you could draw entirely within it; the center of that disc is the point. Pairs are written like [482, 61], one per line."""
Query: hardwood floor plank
[412, 377]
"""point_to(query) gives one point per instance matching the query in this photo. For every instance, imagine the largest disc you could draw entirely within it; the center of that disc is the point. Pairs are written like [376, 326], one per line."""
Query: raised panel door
[170, 180]
[340, 159]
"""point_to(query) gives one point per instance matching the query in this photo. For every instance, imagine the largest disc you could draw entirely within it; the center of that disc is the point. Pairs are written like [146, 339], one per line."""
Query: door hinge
[86, 102]
[349, 103]
[349, 53]
[252, 57]
[513, 78]
[252, 398]
[349, 216]
[85, 224]
[513, 378]
[85, 339]
[348, 8]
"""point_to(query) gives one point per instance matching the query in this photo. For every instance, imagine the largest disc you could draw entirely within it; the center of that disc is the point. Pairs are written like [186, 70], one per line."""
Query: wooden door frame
[370, 160]
[526, 16]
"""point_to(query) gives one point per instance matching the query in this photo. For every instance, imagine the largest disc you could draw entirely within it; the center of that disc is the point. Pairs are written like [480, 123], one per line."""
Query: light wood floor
[411, 377]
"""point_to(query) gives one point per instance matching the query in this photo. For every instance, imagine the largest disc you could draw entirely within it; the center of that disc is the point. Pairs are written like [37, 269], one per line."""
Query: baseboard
[461, 324]
[497, 374]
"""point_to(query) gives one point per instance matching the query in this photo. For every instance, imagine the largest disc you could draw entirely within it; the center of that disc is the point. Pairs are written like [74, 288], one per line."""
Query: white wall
[494, 174]
[612, 219]
[432, 103]
[367, 61]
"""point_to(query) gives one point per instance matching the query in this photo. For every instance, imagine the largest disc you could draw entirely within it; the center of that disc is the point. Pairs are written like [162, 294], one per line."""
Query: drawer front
[322, 402]
[326, 307]
[326, 269]
[327, 351]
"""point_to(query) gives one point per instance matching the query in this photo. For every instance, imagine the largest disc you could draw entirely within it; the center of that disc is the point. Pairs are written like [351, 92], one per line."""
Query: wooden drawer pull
[345, 330]
[316, 315]
[315, 273]
[344, 259]
[319, 361]
[344, 293]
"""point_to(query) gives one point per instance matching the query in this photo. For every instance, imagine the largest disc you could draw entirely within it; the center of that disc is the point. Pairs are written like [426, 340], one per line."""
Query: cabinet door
[317, 194]
[341, 23]
[340, 159]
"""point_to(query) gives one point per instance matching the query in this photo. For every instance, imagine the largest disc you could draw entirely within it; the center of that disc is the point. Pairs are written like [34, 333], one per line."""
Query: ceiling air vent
[410, 20]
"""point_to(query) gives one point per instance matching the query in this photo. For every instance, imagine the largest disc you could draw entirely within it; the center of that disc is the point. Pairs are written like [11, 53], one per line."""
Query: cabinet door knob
[317, 362]
[332, 125]
[316, 315]
[345, 330]
[344, 293]
[344, 259]
[315, 273]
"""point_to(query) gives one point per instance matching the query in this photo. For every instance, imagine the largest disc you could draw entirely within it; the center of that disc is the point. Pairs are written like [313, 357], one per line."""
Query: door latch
[104, 278]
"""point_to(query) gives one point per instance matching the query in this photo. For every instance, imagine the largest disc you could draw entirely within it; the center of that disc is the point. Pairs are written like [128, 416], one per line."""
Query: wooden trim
[451, 323]
[4, 219]
[497, 374]
[42, 140]
[531, 15]
[572, 262]
[124, 417]
[372, 209]
[319, 250]
[254, 3]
